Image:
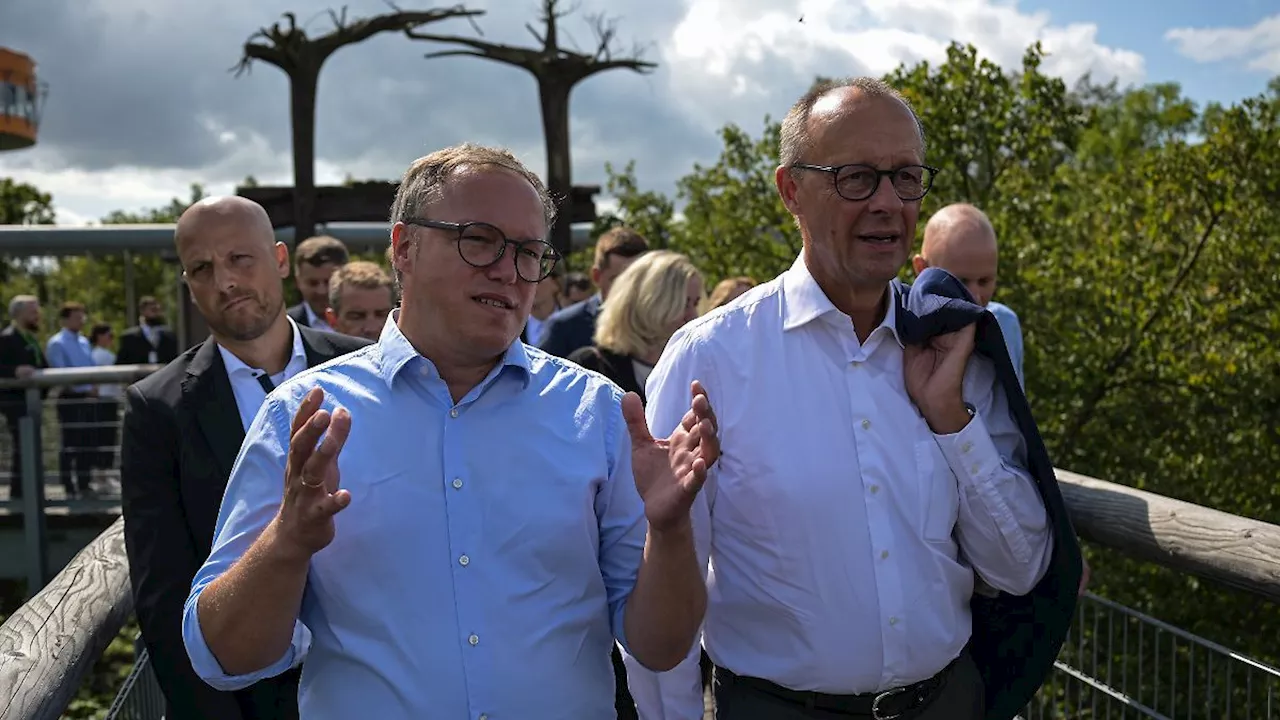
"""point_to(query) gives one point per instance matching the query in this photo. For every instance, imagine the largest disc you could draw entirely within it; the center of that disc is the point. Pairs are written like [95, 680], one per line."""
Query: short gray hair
[19, 302]
[794, 139]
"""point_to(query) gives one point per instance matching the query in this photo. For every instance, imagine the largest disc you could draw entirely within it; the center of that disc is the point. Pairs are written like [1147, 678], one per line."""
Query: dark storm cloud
[144, 84]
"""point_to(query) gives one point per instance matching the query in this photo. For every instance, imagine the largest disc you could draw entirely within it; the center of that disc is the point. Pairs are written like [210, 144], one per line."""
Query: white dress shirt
[245, 385]
[840, 530]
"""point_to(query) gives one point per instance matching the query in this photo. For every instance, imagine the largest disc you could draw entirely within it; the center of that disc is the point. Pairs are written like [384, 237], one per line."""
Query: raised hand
[312, 495]
[934, 376]
[669, 473]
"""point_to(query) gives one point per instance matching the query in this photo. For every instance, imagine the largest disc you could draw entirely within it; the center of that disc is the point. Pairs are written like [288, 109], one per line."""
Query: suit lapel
[207, 391]
[316, 345]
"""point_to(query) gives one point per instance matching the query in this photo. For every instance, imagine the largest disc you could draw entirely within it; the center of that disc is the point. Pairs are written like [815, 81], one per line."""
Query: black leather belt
[893, 704]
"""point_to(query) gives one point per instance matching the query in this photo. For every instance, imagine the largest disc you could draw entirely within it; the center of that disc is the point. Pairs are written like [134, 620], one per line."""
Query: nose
[504, 270]
[885, 199]
[223, 278]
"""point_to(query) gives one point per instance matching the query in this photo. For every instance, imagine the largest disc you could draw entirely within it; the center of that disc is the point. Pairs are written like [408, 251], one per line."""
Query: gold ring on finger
[304, 482]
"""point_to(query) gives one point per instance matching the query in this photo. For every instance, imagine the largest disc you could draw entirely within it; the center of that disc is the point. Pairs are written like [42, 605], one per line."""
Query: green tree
[24, 204]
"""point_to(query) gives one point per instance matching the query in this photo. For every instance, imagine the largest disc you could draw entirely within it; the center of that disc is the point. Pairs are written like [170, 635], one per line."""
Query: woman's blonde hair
[646, 299]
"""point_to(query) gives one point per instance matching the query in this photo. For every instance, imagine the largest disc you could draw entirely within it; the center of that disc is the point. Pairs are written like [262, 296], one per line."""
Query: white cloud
[1258, 46]
[755, 57]
[183, 119]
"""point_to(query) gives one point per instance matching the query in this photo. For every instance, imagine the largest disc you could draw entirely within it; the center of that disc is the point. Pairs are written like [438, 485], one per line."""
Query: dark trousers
[76, 412]
[622, 700]
[105, 432]
[961, 697]
[15, 456]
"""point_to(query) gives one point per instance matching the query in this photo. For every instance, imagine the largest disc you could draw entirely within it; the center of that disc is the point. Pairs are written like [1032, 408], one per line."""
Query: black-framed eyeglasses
[481, 245]
[859, 182]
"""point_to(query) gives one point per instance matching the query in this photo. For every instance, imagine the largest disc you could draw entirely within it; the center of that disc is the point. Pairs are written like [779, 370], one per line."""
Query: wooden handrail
[1225, 548]
[50, 644]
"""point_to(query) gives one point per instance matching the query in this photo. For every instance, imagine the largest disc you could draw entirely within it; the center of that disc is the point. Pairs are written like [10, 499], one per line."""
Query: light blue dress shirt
[68, 349]
[1012, 331]
[484, 564]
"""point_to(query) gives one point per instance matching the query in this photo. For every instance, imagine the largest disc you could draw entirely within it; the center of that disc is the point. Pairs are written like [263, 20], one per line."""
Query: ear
[282, 260]
[787, 189]
[595, 276]
[398, 254]
[331, 317]
[918, 264]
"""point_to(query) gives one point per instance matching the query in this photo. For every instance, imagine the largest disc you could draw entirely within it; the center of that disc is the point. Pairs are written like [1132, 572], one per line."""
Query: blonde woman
[649, 301]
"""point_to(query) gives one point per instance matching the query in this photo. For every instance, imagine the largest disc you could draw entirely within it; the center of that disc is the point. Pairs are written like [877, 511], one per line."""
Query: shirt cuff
[971, 453]
[210, 670]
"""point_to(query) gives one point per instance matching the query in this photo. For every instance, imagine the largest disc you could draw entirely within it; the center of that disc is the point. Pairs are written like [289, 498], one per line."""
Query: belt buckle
[875, 704]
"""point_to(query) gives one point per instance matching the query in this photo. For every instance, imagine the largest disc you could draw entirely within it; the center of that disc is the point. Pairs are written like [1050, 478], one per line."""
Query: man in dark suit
[149, 342]
[314, 261]
[575, 326]
[20, 356]
[183, 428]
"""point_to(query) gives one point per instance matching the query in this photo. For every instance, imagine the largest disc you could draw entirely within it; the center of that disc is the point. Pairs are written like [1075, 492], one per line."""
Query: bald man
[183, 427]
[960, 239]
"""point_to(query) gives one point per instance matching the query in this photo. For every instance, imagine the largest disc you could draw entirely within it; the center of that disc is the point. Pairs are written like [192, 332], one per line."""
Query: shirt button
[484, 716]
[892, 621]
[457, 483]
[966, 447]
[453, 413]
[975, 468]
[464, 561]
[884, 554]
[474, 639]
[875, 489]
[866, 424]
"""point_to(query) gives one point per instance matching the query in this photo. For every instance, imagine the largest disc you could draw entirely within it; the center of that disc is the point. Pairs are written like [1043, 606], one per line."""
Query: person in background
[959, 238]
[314, 262]
[150, 342]
[20, 356]
[545, 302]
[361, 295]
[107, 410]
[76, 407]
[650, 300]
[575, 326]
[577, 287]
[727, 290]
[184, 425]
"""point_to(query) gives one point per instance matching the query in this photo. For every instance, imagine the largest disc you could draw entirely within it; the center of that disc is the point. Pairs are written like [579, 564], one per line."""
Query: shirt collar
[396, 352]
[235, 364]
[803, 301]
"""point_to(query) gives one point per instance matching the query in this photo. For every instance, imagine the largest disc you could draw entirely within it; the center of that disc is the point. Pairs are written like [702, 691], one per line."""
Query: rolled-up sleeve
[620, 513]
[677, 693]
[252, 499]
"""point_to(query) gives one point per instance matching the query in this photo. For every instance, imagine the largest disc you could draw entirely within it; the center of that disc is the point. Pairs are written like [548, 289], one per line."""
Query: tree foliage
[1139, 246]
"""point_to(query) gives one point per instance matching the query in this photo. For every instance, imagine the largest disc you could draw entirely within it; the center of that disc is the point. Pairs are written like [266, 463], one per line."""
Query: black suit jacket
[135, 349]
[15, 351]
[182, 432]
[1015, 638]
[571, 328]
[299, 314]
[612, 365]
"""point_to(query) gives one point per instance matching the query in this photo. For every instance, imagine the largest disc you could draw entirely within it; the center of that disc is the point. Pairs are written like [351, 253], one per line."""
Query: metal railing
[140, 697]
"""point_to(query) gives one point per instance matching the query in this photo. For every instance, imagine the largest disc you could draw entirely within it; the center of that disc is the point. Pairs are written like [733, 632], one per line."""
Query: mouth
[236, 303]
[494, 301]
[880, 238]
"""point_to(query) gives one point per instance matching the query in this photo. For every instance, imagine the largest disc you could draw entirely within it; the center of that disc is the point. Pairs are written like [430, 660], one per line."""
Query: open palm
[669, 473]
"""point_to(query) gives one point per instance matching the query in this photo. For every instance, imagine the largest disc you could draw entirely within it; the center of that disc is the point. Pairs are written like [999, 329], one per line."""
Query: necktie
[265, 381]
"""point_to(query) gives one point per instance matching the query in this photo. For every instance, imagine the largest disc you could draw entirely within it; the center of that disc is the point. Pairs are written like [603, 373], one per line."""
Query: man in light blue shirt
[68, 349]
[468, 540]
[959, 238]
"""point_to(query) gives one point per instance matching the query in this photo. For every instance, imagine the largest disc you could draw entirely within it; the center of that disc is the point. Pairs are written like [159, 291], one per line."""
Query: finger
[322, 466]
[708, 443]
[689, 420]
[633, 413]
[698, 389]
[310, 404]
[332, 504]
[692, 482]
[303, 444]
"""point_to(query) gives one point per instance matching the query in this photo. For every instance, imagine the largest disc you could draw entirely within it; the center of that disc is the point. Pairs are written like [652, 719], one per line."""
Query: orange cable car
[21, 100]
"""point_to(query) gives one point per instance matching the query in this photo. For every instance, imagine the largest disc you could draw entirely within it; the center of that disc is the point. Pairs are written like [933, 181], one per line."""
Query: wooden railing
[48, 646]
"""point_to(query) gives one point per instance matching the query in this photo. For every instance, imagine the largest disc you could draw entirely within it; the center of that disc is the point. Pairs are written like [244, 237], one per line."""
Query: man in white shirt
[959, 238]
[862, 485]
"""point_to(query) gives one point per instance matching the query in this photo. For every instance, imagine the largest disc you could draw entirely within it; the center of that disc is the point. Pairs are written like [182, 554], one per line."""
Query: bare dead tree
[287, 46]
[557, 70]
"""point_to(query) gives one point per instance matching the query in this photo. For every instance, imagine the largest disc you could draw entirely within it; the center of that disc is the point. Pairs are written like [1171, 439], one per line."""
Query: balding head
[960, 239]
[221, 213]
[233, 266]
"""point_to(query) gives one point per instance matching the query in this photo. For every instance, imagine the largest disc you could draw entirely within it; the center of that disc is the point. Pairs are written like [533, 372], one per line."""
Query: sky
[141, 103]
